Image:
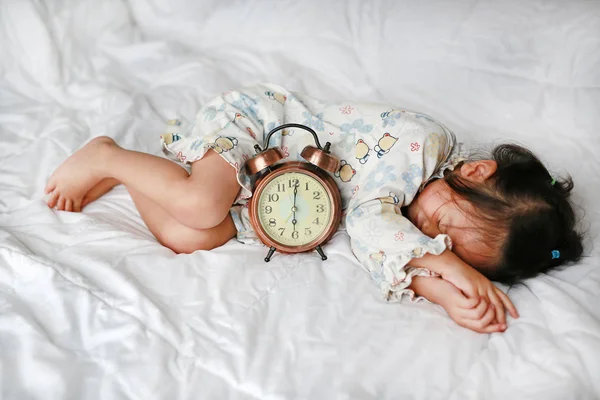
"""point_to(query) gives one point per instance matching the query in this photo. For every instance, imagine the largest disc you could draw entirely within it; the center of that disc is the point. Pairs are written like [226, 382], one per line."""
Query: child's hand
[472, 283]
[476, 286]
[470, 313]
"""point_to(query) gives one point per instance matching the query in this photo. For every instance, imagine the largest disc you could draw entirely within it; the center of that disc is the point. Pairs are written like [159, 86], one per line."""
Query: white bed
[92, 307]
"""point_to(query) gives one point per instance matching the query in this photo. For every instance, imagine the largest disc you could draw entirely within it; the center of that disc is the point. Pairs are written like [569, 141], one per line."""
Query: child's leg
[168, 231]
[200, 200]
[101, 188]
[176, 236]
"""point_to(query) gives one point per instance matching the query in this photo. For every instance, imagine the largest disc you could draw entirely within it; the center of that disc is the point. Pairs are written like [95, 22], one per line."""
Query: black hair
[525, 210]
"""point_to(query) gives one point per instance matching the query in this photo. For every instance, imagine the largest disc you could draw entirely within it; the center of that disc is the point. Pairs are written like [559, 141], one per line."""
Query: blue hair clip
[555, 254]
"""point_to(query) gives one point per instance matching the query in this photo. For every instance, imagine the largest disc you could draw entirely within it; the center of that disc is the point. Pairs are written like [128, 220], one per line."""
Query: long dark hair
[527, 210]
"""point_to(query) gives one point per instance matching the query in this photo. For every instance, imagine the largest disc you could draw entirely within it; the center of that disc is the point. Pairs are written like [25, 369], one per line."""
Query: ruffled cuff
[398, 288]
[396, 296]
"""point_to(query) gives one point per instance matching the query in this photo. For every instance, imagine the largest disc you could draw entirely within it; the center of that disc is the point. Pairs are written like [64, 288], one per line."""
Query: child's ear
[478, 171]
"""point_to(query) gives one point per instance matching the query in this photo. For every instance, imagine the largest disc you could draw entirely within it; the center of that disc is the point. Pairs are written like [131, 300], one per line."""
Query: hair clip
[553, 182]
[555, 254]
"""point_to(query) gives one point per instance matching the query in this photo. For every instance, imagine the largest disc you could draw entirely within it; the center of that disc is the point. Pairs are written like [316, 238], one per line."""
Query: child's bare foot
[75, 177]
[102, 187]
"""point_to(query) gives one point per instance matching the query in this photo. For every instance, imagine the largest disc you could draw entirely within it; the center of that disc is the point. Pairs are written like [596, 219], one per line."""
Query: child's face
[434, 211]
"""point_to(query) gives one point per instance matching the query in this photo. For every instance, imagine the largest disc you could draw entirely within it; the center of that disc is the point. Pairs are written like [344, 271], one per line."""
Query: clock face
[294, 209]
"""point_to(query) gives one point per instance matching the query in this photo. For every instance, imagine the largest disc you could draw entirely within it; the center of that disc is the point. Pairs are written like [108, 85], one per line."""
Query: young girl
[422, 217]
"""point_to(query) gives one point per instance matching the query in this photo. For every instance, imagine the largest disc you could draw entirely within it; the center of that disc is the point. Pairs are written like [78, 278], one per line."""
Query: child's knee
[201, 209]
[183, 240]
[187, 247]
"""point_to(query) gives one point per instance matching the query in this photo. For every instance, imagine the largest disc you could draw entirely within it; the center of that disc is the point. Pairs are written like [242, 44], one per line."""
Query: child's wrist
[430, 287]
[443, 264]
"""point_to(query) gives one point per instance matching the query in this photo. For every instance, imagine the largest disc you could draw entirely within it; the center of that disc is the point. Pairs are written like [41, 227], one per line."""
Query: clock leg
[320, 251]
[270, 254]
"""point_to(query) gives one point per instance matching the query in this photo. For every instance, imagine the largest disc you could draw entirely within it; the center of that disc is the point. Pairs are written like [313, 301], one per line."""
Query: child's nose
[430, 229]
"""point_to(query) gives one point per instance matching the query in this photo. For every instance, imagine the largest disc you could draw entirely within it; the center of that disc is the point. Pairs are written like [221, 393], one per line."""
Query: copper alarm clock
[296, 206]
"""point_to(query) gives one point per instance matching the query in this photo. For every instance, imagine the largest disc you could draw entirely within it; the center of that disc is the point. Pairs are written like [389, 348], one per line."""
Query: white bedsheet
[92, 307]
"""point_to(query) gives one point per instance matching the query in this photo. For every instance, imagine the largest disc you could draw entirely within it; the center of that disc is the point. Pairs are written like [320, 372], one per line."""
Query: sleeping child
[425, 220]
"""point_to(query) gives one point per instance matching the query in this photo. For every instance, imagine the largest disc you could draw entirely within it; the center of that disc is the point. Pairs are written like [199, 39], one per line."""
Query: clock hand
[294, 209]
[289, 216]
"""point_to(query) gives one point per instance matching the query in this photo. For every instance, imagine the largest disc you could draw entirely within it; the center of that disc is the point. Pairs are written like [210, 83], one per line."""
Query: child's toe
[49, 187]
[61, 204]
[53, 199]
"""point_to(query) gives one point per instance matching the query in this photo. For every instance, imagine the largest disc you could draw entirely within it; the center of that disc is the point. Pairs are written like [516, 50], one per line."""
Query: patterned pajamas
[387, 155]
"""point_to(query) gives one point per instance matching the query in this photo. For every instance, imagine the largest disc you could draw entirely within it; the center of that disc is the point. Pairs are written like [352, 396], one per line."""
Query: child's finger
[467, 302]
[464, 285]
[508, 303]
[500, 313]
[485, 325]
[477, 312]
[487, 317]
[493, 328]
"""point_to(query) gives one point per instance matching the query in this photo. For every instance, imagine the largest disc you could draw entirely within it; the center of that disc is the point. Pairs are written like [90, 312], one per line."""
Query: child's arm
[470, 281]
[384, 242]
[471, 313]
[394, 252]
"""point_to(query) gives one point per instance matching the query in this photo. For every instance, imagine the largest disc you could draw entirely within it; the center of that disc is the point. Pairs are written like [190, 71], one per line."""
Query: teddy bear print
[223, 144]
[279, 97]
[346, 172]
[391, 199]
[376, 271]
[361, 151]
[378, 257]
[390, 209]
[384, 145]
[169, 138]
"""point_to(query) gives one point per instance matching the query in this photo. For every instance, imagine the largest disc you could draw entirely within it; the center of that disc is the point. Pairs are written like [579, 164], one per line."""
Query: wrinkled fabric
[92, 307]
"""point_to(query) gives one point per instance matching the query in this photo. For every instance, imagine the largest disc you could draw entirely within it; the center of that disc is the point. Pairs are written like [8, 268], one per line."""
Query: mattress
[92, 307]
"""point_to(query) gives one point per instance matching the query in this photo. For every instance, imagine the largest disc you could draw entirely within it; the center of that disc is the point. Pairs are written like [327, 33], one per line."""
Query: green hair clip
[553, 181]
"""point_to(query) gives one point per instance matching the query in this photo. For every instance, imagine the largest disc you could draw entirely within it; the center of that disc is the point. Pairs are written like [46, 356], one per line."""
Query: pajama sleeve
[231, 125]
[384, 242]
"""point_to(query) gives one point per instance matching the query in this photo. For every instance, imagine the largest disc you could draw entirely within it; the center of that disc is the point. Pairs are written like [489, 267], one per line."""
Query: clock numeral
[280, 187]
[316, 221]
[320, 208]
[272, 222]
[307, 232]
[306, 185]
[268, 209]
[295, 235]
[281, 230]
[293, 182]
[273, 197]
[316, 195]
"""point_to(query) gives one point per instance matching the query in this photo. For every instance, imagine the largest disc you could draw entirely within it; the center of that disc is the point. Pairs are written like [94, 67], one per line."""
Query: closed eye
[442, 227]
